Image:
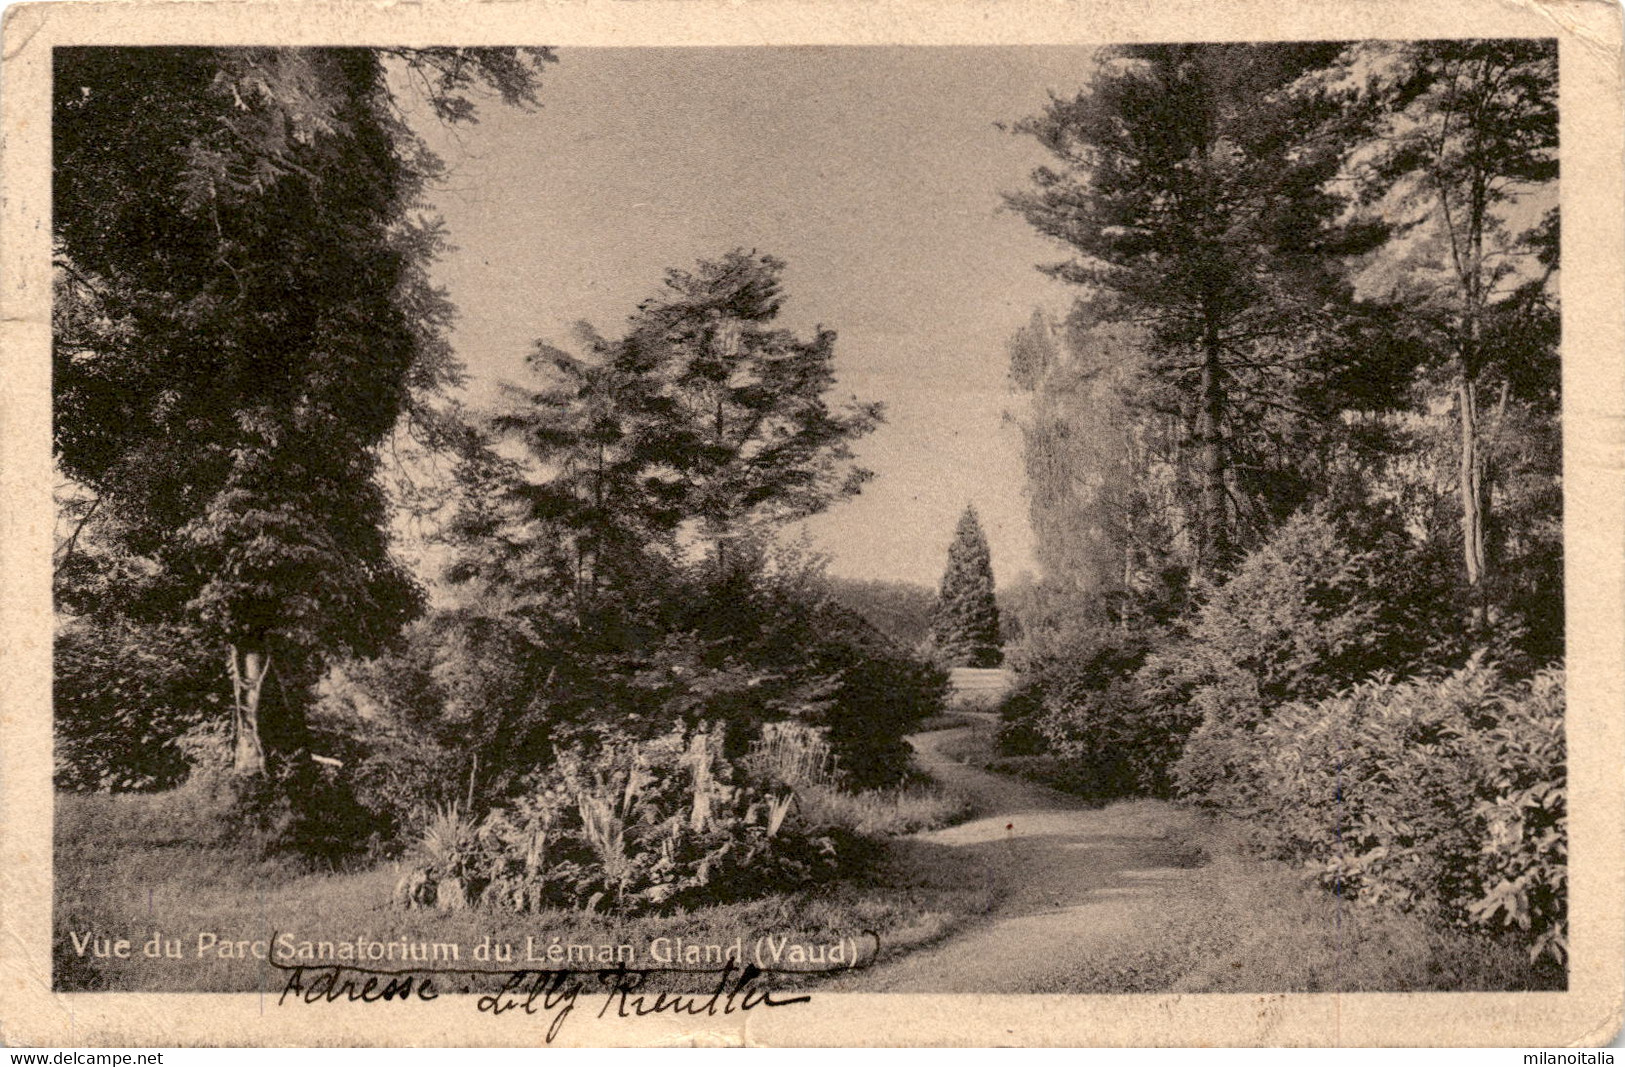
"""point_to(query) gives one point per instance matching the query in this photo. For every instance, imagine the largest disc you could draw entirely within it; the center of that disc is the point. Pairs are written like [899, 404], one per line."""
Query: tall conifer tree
[1190, 187]
[965, 627]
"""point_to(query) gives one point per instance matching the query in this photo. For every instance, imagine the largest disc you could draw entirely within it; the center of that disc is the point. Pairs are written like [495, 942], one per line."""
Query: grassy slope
[131, 865]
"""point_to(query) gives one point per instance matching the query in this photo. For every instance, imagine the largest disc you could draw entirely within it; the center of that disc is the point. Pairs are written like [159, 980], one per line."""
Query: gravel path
[1079, 884]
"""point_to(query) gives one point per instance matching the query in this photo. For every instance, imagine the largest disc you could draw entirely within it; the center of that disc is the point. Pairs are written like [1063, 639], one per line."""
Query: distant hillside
[900, 610]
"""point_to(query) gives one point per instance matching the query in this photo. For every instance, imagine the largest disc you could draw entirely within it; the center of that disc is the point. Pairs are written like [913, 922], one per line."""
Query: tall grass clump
[799, 757]
[903, 809]
[794, 754]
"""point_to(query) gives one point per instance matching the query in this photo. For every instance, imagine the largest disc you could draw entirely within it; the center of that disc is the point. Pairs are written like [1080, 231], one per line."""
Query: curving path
[1080, 884]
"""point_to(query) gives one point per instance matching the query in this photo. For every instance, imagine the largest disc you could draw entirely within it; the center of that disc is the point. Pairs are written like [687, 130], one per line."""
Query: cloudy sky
[874, 172]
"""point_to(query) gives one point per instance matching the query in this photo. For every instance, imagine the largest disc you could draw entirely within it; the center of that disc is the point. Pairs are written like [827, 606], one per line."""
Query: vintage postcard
[789, 524]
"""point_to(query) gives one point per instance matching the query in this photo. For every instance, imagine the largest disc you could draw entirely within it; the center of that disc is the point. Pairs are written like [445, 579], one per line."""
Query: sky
[875, 173]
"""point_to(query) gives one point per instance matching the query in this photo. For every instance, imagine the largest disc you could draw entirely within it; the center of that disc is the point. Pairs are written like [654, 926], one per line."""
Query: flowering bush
[1444, 797]
[629, 826]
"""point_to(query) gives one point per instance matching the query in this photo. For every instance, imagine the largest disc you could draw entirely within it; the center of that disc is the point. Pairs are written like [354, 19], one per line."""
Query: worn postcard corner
[596, 524]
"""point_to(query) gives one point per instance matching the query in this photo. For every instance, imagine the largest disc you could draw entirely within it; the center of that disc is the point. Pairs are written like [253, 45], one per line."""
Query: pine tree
[965, 627]
[1189, 185]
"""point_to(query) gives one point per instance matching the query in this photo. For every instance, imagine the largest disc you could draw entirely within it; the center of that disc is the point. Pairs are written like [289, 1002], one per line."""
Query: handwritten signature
[733, 988]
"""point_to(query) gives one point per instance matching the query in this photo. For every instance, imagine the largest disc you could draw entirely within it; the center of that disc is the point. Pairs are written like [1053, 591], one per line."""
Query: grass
[131, 866]
[904, 809]
[1249, 925]
[974, 746]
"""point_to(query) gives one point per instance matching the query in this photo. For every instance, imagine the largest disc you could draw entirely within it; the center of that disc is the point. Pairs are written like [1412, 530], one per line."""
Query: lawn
[131, 867]
[1245, 924]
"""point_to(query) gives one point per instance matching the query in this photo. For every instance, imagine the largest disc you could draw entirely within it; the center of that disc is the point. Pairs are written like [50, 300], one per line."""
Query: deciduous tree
[243, 315]
[1461, 154]
[702, 417]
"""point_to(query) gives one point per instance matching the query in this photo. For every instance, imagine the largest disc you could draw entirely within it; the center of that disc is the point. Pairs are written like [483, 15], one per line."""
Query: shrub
[297, 806]
[1117, 744]
[1444, 797]
[1083, 706]
[878, 697]
[629, 826]
[457, 706]
[797, 756]
[1313, 610]
[475, 699]
[123, 693]
[1018, 733]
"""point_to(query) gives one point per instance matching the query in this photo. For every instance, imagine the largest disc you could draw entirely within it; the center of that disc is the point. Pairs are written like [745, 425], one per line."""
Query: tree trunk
[1473, 502]
[1469, 262]
[249, 668]
[1125, 604]
[1215, 549]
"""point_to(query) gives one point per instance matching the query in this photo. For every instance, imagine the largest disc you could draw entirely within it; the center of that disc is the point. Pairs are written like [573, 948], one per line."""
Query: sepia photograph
[633, 532]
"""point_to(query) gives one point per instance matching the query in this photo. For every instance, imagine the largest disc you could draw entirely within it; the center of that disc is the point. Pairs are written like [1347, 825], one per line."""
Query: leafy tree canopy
[243, 315]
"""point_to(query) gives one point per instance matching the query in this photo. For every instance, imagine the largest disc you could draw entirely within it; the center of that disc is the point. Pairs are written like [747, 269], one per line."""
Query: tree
[1192, 193]
[1101, 444]
[587, 482]
[243, 315]
[701, 417]
[584, 493]
[965, 625]
[744, 429]
[1461, 153]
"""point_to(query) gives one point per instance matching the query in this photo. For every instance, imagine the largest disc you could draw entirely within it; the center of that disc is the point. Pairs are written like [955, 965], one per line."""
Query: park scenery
[540, 508]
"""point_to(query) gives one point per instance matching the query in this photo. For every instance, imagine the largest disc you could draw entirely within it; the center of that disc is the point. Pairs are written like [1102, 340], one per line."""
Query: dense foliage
[614, 570]
[1307, 614]
[242, 316]
[124, 694]
[470, 705]
[1192, 205]
[1299, 430]
[1085, 706]
[1442, 796]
